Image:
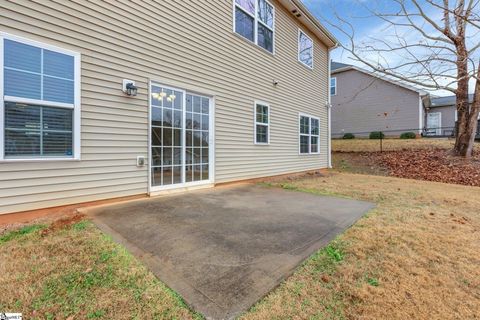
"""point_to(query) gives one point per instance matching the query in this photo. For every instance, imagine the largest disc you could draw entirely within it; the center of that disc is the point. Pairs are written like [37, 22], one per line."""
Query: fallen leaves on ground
[430, 164]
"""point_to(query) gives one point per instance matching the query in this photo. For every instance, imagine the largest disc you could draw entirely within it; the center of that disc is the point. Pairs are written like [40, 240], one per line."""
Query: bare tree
[428, 43]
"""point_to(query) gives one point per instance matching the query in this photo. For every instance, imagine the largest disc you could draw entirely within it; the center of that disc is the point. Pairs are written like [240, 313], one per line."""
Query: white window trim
[255, 28]
[255, 123]
[76, 106]
[334, 79]
[300, 31]
[300, 115]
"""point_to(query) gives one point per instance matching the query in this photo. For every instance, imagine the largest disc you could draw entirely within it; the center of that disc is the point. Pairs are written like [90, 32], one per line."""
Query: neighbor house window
[333, 86]
[254, 20]
[39, 101]
[262, 123]
[305, 49]
[309, 135]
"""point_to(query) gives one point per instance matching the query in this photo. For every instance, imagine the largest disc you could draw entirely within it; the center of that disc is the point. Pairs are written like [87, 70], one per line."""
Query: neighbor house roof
[448, 101]
[337, 67]
[298, 9]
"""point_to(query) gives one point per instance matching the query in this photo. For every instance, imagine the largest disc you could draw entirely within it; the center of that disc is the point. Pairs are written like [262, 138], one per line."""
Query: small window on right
[309, 134]
[333, 86]
[305, 49]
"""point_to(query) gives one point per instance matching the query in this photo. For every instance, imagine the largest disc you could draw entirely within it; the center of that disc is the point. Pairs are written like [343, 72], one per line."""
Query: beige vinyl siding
[185, 44]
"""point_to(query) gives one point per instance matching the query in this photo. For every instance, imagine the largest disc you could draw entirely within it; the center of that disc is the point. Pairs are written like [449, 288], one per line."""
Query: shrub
[348, 136]
[408, 135]
[377, 135]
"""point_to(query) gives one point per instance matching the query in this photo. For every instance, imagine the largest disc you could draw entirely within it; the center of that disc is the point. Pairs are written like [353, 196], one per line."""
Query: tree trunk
[467, 128]
[465, 135]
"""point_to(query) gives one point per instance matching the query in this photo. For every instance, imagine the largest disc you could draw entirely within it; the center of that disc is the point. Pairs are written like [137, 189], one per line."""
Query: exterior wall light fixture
[129, 88]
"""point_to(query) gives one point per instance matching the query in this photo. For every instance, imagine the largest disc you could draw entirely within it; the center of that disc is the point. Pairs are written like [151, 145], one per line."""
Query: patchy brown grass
[367, 145]
[413, 257]
[416, 256]
[70, 270]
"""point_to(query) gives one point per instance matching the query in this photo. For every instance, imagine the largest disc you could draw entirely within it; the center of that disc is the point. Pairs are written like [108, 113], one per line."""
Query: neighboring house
[442, 115]
[108, 99]
[363, 102]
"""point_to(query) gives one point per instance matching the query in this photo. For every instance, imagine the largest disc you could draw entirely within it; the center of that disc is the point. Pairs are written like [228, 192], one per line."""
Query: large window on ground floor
[39, 101]
[309, 134]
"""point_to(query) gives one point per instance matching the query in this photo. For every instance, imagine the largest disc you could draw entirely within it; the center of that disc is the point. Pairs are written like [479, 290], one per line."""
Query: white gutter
[329, 108]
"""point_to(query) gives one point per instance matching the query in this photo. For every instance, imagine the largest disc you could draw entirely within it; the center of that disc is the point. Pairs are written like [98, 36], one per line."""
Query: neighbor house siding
[448, 115]
[185, 44]
[364, 103]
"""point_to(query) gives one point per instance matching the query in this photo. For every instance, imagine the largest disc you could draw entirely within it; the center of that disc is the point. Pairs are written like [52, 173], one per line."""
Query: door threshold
[159, 193]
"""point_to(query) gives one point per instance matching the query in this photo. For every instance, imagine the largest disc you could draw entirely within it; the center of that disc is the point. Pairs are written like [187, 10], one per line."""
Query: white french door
[181, 138]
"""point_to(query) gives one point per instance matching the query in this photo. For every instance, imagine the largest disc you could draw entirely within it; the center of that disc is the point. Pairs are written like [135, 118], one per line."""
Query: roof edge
[373, 74]
[311, 22]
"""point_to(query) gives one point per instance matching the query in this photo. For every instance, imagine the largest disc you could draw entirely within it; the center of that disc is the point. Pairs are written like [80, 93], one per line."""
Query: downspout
[329, 108]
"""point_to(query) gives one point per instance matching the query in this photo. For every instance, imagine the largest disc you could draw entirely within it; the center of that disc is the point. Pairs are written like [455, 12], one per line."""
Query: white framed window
[39, 101]
[262, 123]
[255, 21]
[309, 131]
[333, 86]
[305, 49]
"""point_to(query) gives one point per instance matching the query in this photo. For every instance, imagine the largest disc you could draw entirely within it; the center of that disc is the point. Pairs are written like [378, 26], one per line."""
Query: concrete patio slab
[223, 249]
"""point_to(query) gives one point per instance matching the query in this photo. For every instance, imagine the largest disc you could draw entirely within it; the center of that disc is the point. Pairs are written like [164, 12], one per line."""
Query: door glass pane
[188, 173]
[205, 172]
[197, 173]
[157, 176]
[177, 174]
[157, 136]
[156, 157]
[197, 138]
[167, 137]
[167, 175]
[177, 156]
[189, 120]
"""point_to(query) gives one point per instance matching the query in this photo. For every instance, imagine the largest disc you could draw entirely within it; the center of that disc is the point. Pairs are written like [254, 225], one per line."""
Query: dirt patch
[63, 224]
[356, 162]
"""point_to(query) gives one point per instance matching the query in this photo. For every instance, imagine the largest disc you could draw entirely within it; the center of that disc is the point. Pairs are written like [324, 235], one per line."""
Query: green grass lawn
[77, 272]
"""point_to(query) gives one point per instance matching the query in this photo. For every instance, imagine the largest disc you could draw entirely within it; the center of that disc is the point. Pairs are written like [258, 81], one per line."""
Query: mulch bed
[431, 164]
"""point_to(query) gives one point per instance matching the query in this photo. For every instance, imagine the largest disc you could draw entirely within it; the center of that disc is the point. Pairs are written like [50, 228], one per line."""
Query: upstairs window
[262, 123]
[333, 86]
[309, 135]
[254, 20]
[39, 101]
[305, 49]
